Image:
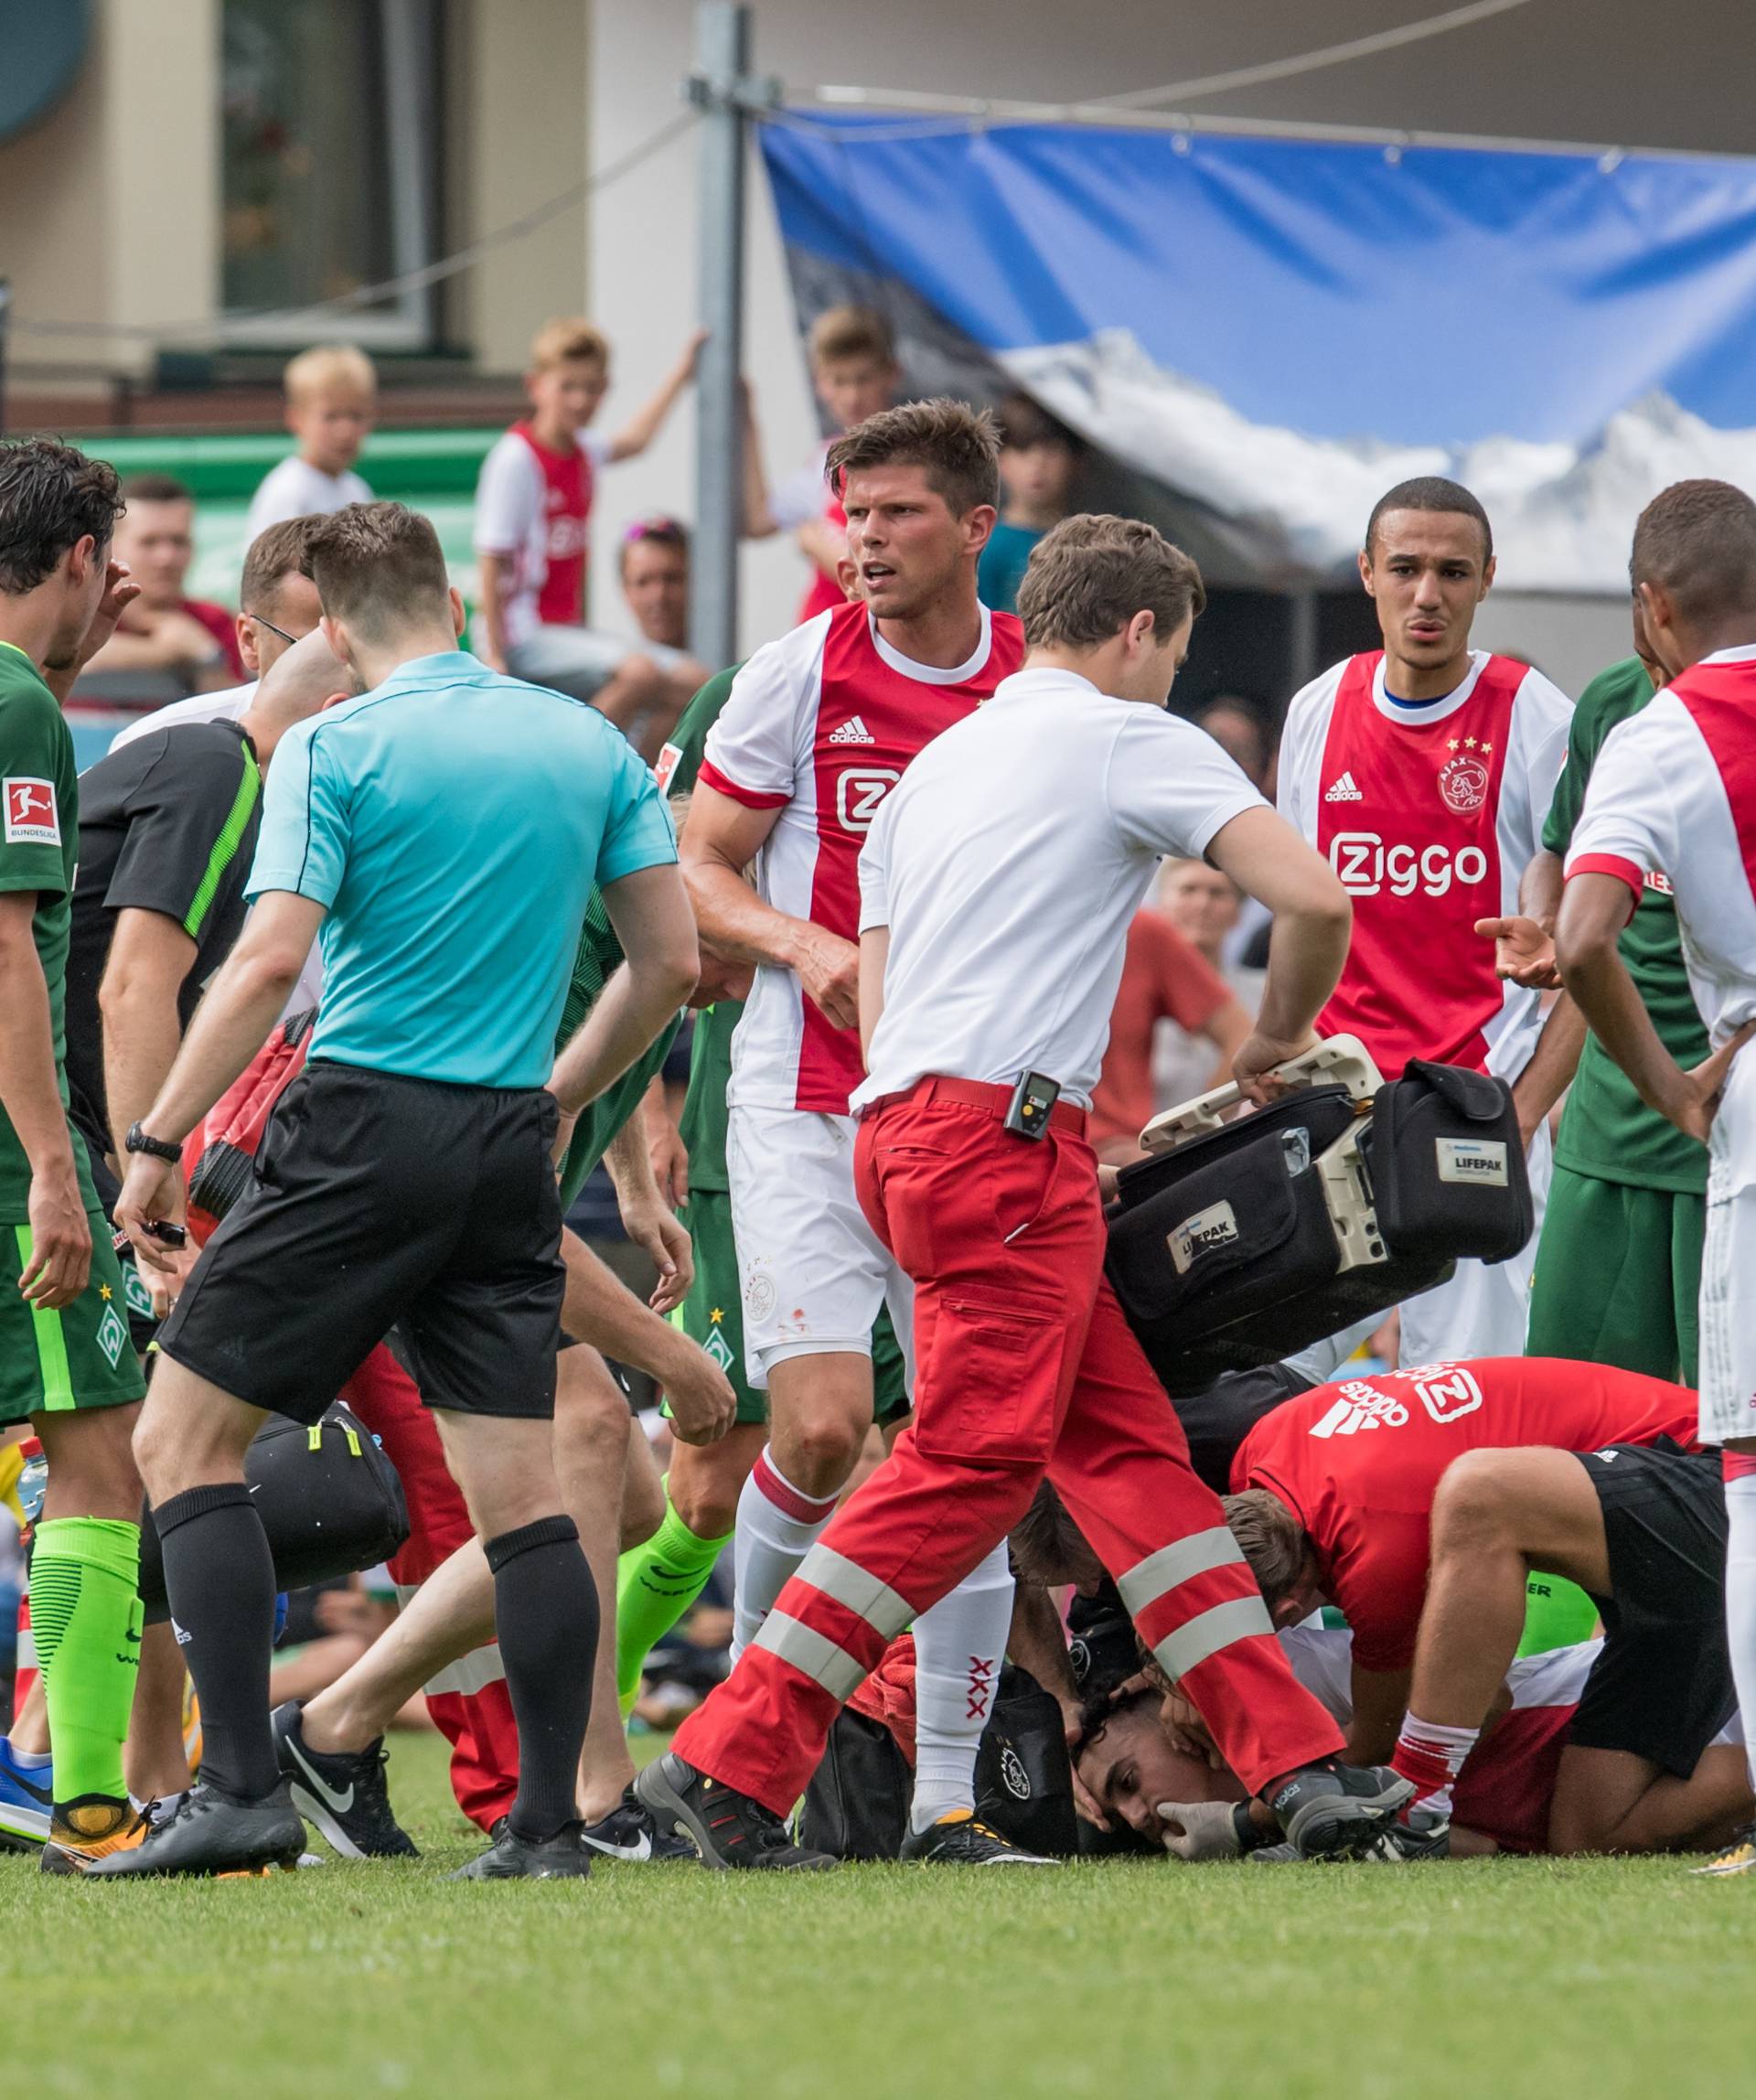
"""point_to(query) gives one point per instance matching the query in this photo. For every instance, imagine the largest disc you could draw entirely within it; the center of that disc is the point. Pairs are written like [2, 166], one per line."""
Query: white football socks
[959, 1646]
[778, 1526]
[1741, 1598]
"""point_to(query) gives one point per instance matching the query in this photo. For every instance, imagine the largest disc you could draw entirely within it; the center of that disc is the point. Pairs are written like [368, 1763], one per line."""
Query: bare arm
[823, 545]
[645, 424]
[230, 1025]
[758, 518]
[874, 960]
[1524, 945]
[60, 1257]
[601, 1309]
[495, 572]
[119, 594]
[1312, 920]
[1593, 913]
[649, 1221]
[666, 1153]
[150, 955]
[649, 911]
[1552, 1065]
[1380, 1701]
[1228, 1029]
[721, 839]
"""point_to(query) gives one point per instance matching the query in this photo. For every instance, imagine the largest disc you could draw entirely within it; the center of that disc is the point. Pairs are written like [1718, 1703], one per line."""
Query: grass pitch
[1508, 1978]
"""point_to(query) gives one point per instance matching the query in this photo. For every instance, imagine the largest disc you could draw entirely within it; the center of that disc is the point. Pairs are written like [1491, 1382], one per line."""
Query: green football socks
[655, 1585]
[85, 1617]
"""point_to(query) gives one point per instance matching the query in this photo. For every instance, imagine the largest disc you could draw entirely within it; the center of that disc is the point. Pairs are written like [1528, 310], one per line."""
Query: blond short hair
[845, 332]
[560, 341]
[338, 368]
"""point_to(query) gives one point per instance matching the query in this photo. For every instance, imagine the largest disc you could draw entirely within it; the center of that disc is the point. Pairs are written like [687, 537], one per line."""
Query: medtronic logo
[1214, 1227]
[1366, 866]
[858, 793]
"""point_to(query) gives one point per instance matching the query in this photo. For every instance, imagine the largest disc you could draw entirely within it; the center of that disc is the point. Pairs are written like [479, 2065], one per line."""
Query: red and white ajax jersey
[1430, 813]
[819, 726]
[1674, 794]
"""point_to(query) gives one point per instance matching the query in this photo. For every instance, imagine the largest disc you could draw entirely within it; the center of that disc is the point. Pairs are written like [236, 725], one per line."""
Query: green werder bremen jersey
[710, 1060]
[1607, 1130]
[40, 843]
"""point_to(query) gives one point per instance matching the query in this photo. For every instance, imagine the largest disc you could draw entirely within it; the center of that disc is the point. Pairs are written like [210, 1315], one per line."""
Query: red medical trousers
[1023, 1365]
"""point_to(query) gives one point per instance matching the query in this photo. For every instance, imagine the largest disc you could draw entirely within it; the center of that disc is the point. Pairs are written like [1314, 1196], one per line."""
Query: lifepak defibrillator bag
[1448, 1164]
[329, 1500]
[1234, 1245]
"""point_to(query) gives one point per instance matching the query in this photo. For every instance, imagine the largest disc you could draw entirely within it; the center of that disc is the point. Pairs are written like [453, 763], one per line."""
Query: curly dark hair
[52, 497]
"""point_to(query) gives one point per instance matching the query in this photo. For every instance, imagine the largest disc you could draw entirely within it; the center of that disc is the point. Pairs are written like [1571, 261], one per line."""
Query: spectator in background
[655, 580]
[1164, 979]
[1206, 909]
[1243, 735]
[331, 402]
[533, 508]
[278, 607]
[163, 629]
[855, 375]
[1040, 459]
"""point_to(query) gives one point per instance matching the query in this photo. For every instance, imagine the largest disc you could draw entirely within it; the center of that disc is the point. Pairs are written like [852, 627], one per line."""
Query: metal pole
[721, 58]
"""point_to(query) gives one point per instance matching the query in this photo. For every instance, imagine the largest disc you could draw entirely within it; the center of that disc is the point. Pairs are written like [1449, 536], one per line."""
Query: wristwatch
[160, 1148]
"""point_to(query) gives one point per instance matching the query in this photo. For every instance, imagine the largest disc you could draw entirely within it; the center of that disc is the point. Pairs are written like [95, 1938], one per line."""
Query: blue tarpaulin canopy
[1276, 330]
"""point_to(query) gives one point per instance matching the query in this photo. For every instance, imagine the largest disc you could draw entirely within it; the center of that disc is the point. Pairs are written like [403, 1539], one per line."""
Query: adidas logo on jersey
[1343, 790]
[852, 731]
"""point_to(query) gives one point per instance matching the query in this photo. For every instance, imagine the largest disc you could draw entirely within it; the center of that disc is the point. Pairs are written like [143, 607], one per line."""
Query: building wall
[1563, 69]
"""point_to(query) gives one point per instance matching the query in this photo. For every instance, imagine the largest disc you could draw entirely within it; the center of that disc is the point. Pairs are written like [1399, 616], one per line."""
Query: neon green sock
[655, 1585]
[85, 1616]
[1556, 1615]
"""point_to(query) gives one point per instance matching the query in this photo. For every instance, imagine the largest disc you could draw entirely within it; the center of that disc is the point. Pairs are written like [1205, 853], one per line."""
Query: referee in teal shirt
[440, 835]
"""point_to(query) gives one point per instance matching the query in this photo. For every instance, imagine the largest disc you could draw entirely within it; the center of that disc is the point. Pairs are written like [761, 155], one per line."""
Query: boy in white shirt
[331, 403]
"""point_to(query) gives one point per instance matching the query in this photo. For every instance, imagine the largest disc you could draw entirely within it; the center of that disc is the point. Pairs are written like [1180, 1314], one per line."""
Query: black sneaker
[342, 1793]
[1339, 1811]
[728, 1828]
[212, 1834]
[511, 1857]
[1417, 1833]
[628, 1832]
[961, 1839]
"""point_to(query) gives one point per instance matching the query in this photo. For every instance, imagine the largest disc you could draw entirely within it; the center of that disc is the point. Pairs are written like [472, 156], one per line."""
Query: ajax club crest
[1464, 777]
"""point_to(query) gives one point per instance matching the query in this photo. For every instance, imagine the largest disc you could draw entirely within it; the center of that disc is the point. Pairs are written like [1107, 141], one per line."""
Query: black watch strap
[160, 1148]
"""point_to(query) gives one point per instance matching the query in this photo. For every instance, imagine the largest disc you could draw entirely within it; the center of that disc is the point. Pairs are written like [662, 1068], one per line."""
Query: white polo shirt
[1008, 863]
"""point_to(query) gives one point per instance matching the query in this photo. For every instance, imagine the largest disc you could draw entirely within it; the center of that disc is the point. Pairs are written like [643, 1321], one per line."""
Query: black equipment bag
[856, 1806]
[1224, 1253]
[329, 1500]
[1448, 1165]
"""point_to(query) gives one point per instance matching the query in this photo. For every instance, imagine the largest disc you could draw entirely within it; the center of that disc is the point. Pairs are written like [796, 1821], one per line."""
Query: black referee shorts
[379, 1199]
[1662, 1689]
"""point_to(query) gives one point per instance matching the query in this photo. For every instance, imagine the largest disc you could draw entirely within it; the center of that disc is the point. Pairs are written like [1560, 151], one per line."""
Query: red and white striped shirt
[1430, 813]
[820, 726]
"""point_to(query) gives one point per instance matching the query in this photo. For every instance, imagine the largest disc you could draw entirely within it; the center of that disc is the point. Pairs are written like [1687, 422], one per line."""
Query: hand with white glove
[1200, 1829]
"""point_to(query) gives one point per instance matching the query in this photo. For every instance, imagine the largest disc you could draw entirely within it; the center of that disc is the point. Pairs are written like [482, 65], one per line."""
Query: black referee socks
[220, 1578]
[545, 1609]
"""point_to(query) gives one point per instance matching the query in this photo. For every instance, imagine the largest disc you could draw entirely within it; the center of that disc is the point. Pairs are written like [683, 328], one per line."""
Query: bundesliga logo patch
[32, 817]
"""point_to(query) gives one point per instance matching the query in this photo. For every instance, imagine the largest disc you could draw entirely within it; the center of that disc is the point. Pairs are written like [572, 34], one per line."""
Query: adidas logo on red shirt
[1343, 790]
[852, 731]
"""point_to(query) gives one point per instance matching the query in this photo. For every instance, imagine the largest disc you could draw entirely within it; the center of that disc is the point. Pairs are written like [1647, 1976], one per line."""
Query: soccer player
[819, 728]
[407, 1175]
[1015, 850]
[661, 1578]
[1629, 1193]
[1334, 1500]
[1673, 796]
[533, 508]
[1423, 772]
[64, 1364]
[331, 401]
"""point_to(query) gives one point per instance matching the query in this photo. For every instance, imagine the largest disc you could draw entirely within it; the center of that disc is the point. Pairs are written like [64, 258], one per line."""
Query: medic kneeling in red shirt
[1420, 1502]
